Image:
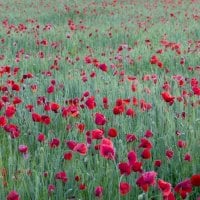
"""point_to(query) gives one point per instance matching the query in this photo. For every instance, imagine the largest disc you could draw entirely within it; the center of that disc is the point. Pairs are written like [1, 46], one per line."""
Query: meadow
[100, 99]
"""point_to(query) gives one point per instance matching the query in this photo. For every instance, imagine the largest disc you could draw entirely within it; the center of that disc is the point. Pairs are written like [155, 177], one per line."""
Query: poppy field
[100, 99]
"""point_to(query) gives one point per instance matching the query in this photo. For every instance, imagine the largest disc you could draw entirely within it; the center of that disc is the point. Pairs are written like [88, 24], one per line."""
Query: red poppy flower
[45, 119]
[145, 143]
[81, 148]
[71, 144]
[184, 188]
[146, 180]
[61, 176]
[169, 153]
[17, 100]
[132, 157]
[3, 121]
[80, 127]
[107, 149]
[187, 157]
[98, 192]
[36, 117]
[195, 180]
[51, 188]
[54, 107]
[124, 188]
[13, 130]
[50, 89]
[181, 144]
[157, 163]
[68, 156]
[146, 153]
[54, 143]
[137, 166]
[23, 149]
[16, 87]
[148, 134]
[112, 132]
[117, 110]
[124, 168]
[103, 67]
[13, 195]
[82, 186]
[167, 97]
[90, 103]
[165, 187]
[100, 119]
[130, 112]
[97, 134]
[10, 111]
[130, 137]
[41, 137]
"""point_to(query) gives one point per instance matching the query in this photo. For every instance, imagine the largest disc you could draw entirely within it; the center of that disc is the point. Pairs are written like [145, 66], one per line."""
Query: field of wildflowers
[100, 99]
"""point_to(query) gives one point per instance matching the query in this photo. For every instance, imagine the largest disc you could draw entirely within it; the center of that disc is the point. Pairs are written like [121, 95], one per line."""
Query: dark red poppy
[13, 195]
[51, 188]
[181, 144]
[157, 163]
[82, 186]
[195, 180]
[80, 127]
[61, 176]
[184, 188]
[137, 166]
[54, 143]
[98, 192]
[124, 168]
[169, 153]
[124, 188]
[68, 156]
[187, 157]
[41, 137]
[130, 137]
[71, 144]
[16, 87]
[45, 119]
